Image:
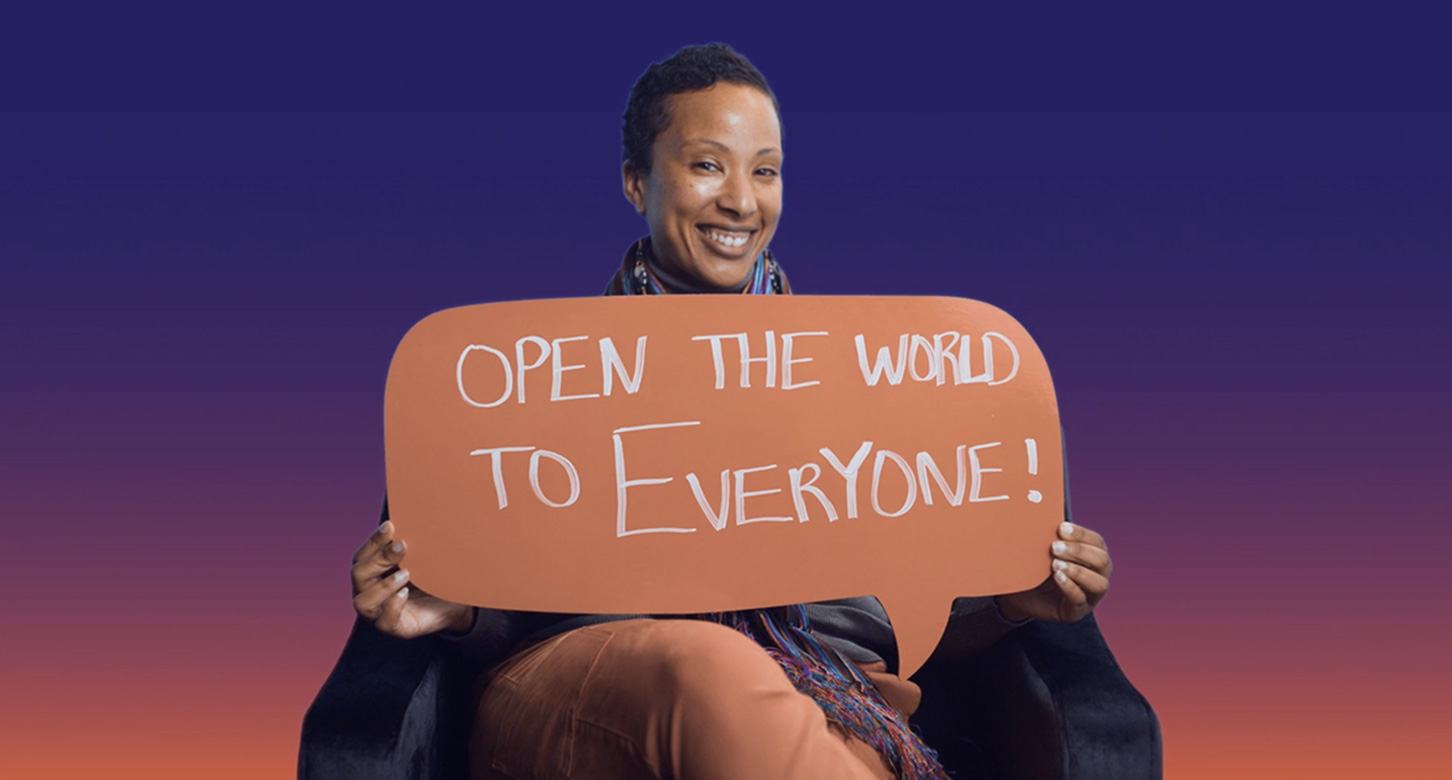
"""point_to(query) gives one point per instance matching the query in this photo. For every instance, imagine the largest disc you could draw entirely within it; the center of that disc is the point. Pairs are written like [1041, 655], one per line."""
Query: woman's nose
[736, 196]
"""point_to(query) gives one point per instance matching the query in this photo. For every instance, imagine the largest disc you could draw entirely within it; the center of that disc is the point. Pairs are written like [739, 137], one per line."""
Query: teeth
[726, 239]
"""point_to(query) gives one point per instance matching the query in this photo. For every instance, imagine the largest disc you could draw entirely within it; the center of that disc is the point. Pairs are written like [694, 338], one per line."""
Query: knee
[693, 658]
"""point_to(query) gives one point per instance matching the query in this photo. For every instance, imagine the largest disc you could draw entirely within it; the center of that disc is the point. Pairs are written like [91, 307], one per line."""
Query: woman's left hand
[1078, 580]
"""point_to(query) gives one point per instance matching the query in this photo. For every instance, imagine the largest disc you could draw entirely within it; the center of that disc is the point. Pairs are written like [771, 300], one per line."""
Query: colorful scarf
[845, 693]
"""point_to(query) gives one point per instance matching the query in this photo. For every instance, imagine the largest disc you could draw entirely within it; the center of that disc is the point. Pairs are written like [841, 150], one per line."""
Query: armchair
[1046, 702]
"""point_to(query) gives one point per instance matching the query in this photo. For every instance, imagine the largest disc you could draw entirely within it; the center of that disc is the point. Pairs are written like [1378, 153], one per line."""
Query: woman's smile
[726, 241]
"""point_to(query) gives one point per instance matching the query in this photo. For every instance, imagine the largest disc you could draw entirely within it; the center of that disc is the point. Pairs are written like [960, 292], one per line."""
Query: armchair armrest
[1048, 701]
[392, 708]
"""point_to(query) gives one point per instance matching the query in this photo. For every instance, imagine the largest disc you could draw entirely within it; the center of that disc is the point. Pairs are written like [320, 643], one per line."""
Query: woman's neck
[679, 283]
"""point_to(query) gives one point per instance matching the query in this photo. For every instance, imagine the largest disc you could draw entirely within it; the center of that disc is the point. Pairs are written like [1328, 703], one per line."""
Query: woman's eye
[767, 172]
[707, 166]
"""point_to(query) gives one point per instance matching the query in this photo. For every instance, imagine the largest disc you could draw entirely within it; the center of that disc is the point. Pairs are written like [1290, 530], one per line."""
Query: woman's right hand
[382, 596]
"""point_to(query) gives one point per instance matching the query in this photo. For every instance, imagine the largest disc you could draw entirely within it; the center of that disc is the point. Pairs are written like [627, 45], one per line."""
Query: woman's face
[713, 194]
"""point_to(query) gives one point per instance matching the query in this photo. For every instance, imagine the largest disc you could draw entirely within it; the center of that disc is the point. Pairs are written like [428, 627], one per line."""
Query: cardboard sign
[684, 454]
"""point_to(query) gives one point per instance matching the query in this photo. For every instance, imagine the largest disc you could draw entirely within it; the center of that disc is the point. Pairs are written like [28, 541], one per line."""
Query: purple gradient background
[1230, 243]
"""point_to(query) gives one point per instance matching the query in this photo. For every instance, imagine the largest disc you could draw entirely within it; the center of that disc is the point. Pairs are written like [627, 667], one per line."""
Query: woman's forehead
[733, 116]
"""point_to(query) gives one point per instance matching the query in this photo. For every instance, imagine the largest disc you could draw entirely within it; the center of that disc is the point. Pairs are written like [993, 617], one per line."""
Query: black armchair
[1048, 701]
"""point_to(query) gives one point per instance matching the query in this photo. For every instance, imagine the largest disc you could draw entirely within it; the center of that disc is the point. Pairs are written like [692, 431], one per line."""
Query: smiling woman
[711, 187]
[803, 691]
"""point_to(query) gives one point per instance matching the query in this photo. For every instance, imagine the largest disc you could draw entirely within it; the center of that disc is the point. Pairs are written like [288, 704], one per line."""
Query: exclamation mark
[1033, 459]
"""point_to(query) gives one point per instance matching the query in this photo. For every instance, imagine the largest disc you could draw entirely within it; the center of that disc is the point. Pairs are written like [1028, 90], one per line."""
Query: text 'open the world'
[701, 453]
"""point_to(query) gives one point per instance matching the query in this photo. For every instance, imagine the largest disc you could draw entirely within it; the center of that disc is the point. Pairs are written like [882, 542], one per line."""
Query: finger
[1074, 595]
[390, 617]
[369, 601]
[1070, 532]
[1096, 558]
[1091, 583]
[380, 536]
[368, 570]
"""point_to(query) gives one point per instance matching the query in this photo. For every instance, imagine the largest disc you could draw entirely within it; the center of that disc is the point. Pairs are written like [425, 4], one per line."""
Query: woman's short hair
[688, 70]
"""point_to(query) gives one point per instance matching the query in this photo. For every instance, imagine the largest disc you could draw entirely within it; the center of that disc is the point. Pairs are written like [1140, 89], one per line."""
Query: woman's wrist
[463, 621]
[1009, 612]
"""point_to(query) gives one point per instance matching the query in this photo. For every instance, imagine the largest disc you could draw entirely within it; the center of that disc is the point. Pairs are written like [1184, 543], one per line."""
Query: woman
[785, 693]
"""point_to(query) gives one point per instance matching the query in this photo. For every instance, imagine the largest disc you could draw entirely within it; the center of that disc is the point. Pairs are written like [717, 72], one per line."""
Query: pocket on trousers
[533, 708]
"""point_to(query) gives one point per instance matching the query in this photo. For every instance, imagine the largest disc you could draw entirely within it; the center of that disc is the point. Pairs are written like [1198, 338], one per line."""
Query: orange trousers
[681, 699]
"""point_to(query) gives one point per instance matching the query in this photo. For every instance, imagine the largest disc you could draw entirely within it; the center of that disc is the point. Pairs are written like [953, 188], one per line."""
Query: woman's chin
[726, 275]
[727, 268]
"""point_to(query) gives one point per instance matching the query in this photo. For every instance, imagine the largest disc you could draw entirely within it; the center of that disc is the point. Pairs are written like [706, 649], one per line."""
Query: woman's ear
[634, 185]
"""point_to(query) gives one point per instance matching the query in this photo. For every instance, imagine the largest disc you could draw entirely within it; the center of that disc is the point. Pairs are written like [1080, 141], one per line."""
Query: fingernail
[401, 575]
[1061, 577]
[1066, 529]
[396, 547]
[402, 593]
[385, 526]
[1060, 548]
[1060, 565]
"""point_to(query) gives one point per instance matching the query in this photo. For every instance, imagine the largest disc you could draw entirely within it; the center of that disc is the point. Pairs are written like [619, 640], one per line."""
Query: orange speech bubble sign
[684, 454]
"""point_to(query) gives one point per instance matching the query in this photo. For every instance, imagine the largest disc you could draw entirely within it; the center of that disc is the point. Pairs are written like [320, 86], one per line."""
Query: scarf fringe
[846, 695]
